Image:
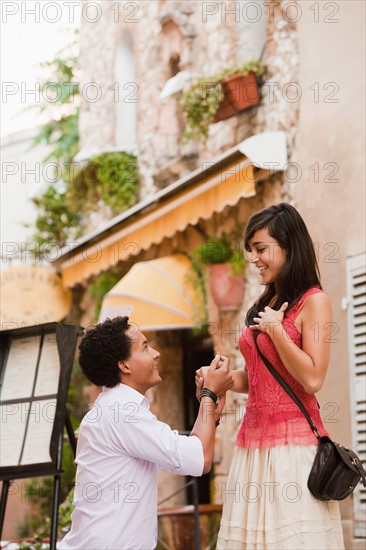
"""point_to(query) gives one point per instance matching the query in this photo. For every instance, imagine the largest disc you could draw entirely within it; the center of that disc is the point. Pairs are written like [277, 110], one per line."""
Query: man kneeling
[121, 444]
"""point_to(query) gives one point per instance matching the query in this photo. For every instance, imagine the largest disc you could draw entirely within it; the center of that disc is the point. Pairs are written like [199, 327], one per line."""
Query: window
[127, 90]
[174, 62]
[356, 280]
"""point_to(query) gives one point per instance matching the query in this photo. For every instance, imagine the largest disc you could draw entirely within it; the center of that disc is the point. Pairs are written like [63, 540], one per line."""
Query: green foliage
[35, 543]
[200, 104]
[195, 279]
[214, 251]
[217, 250]
[76, 401]
[63, 136]
[112, 178]
[39, 492]
[65, 511]
[201, 101]
[100, 287]
[64, 521]
[60, 101]
[55, 223]
[60, 93]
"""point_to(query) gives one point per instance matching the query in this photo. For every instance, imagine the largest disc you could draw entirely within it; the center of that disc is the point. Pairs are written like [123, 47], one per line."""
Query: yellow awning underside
[156, 295]
[162, 220]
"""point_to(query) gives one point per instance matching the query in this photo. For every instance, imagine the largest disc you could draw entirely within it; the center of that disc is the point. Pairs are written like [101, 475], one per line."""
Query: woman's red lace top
[271, 416]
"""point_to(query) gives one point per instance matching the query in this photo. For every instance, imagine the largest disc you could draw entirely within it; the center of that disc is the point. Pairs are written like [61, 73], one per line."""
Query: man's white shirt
[120, 446]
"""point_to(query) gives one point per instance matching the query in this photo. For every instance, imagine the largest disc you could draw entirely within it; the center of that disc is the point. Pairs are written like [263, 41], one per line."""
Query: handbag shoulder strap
[287, 388]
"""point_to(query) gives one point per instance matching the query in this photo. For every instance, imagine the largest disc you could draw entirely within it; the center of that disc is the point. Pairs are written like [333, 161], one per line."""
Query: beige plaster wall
[332, 130]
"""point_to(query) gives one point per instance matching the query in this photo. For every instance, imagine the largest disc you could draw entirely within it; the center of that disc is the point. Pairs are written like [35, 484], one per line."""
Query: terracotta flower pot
[227, 289]
[240, 93]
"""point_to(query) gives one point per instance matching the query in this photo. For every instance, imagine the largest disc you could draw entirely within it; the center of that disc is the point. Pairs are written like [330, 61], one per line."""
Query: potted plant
[225, 270]
[211, 99]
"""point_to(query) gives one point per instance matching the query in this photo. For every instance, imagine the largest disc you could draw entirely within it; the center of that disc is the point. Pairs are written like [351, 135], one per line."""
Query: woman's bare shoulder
[317, 304]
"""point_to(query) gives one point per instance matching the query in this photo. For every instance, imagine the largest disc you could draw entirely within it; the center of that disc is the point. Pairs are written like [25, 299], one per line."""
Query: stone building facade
[155, 40]
[130, 52]
[159, 40]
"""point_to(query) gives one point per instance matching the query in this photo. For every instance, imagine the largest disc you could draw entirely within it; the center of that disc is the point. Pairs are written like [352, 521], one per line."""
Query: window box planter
[240, 93]
[221, 96]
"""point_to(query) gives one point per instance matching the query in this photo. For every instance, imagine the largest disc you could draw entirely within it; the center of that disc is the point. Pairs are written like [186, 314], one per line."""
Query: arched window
[174, 62]
[170, 116]
[251, 30]
[127, 93]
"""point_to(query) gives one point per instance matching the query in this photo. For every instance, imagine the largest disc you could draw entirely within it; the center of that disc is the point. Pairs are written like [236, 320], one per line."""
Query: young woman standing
[267, 504]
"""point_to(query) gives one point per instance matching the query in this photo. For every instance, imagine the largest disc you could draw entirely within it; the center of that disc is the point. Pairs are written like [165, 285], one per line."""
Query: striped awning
[148, 224]
[168, 301]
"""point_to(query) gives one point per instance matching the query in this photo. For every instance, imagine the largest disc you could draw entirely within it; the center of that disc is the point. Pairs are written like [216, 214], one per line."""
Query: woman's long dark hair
[300, 271]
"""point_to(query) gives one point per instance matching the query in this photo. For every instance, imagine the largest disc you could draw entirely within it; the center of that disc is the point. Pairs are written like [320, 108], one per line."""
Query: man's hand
[218, 377]
[200, 378]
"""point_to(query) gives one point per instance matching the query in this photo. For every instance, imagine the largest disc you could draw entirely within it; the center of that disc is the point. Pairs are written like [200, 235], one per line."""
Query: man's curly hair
[102, 348]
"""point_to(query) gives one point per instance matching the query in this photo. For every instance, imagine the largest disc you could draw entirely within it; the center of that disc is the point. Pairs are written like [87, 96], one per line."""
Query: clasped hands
[217, 378]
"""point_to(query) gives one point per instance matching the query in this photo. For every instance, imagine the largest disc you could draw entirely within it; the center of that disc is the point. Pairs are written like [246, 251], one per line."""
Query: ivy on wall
[100, 287]
[56, 222]
[112, 178]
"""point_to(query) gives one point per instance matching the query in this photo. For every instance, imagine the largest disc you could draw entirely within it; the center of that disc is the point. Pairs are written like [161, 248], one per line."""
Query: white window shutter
[356, 281]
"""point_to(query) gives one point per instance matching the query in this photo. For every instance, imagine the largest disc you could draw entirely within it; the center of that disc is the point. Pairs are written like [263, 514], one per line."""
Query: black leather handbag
[336, 470]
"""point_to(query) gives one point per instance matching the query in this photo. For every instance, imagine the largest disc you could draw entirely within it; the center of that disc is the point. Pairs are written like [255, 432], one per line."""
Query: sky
[27, 39]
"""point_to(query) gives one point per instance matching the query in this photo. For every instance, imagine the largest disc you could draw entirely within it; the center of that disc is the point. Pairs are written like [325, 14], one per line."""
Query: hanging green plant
[100, 287]
[55, 223]
[218, 250]
[203, 99]
[112, 178]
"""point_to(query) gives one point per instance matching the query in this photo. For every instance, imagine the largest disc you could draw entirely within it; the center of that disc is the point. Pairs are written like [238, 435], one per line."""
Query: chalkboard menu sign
[35, 369]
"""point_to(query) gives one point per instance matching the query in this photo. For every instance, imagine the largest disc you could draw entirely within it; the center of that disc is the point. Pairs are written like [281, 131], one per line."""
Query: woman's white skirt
[267, 504]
